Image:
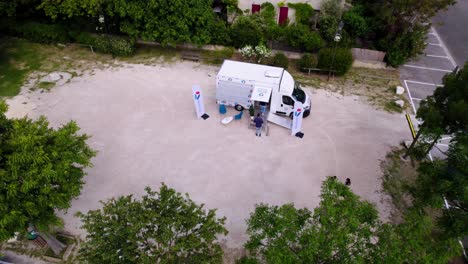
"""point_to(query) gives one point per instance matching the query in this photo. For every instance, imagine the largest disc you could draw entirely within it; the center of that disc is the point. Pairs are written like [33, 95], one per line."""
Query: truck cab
[289, 92]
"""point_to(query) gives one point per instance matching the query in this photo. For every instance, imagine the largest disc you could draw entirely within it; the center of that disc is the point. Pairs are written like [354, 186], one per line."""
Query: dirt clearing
[142, 122]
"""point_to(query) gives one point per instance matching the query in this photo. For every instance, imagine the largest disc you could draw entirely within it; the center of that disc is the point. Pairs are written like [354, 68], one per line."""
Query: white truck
[240, 84]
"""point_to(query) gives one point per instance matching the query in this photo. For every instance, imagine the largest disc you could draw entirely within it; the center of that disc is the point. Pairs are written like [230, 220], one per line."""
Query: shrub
[248, 52]
[300, 36]
[116, 45]
[220, 34]
[404, 46]
[343, 59]
[41, 33]
[354, 22]
[245, 31]
[307, 61]
[328, 25]
[280, 60]
[332, 8]
[262, 52]
[257, 54]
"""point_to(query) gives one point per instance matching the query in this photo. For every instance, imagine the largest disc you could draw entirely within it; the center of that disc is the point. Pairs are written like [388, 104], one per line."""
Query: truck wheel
[239, 108]
[291, 115]
[306, 113]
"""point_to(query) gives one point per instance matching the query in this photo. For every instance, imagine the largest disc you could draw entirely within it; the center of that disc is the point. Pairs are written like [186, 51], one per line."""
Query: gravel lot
[143, 124]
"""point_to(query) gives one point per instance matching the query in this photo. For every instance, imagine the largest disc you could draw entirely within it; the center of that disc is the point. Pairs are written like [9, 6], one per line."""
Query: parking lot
[142, 121]
[421, 76]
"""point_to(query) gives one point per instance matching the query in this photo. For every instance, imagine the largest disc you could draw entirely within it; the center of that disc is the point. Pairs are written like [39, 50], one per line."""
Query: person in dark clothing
[348, 182]
[258, 125]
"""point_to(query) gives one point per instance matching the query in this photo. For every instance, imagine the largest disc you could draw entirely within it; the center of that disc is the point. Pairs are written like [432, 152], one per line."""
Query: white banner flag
[297, 118]
[198, 100]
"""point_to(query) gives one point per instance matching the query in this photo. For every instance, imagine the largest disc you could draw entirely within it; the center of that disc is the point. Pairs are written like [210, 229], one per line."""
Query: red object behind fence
[283, 15]
[255, 8]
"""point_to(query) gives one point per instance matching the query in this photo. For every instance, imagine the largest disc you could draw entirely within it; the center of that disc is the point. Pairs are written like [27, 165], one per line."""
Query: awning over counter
[261, 94]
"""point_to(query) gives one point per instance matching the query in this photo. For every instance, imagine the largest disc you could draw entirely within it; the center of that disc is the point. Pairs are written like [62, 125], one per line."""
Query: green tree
[333, 8]
[355, 22]
[41, 170]
[446, 179]
[339, 230]
[73, 8]
[167, 22]
[246, 31]
[399, 27]
[415, 240]
[328, 26]
[444, 112]
[404, 44]
[343, 229]
[162, 227]
[21, 8]
[300, 36]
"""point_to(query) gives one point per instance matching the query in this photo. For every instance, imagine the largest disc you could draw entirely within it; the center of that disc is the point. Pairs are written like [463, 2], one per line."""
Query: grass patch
[148, 54]
[45, 85]
[217, 57]
[397, 177]
[392, 107]
[377, 85]
[18, 58]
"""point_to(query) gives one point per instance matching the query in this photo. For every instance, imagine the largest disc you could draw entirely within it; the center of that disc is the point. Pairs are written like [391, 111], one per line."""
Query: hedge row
[56, 33]
[124, 46]
[116, 45]
[36, 32]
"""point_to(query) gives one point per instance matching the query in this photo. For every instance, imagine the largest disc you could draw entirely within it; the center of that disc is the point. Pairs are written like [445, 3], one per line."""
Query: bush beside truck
[339, 60]
[280, 60]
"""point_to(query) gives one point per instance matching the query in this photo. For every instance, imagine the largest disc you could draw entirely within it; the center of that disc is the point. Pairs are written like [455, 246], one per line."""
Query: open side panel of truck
[233, 91]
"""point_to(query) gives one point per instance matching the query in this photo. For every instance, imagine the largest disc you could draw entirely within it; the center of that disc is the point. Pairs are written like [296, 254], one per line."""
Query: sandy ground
[143, 124]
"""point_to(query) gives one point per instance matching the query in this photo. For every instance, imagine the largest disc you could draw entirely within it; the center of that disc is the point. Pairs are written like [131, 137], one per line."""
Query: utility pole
[336, 39]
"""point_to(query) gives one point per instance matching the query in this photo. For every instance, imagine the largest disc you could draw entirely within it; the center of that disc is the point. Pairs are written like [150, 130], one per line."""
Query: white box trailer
[239, 84]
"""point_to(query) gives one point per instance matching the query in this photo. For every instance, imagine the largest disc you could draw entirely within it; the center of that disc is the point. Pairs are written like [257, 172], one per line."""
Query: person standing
[258, 125]
[348, 182]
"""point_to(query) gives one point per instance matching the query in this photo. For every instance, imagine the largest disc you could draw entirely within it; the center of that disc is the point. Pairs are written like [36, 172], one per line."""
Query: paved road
[452, 28]
[422, 75]
[447, 47]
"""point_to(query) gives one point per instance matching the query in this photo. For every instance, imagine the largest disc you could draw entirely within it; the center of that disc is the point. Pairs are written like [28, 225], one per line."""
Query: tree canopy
[342, 229]
[167, 22]
[445, 112]
[162, 227]
[41, 170]
[399, 27]
[446, 179]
